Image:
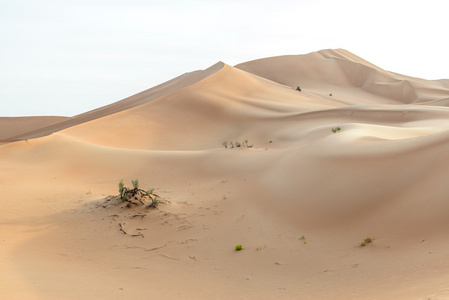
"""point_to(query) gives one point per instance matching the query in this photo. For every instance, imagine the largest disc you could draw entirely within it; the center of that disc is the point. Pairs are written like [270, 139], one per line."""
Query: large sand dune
[382, 175]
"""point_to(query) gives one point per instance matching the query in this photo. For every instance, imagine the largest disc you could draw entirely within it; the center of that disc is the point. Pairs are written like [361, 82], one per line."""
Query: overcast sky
[65, 57]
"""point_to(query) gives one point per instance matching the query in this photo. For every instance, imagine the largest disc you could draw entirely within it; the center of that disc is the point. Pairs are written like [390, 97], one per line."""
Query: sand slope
[348, 78]
[135, 100]
[381, 176]
[12, 127]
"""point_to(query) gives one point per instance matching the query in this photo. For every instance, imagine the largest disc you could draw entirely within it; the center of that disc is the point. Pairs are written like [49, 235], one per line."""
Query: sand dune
[143, 97]
[348, 77]
[19, 126]
[382, 175]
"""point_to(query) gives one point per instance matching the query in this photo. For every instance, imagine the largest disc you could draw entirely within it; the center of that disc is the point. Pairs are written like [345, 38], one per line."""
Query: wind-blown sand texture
[383, 175]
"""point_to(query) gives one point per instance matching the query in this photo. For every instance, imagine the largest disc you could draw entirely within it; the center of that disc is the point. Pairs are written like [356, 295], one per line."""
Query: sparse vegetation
[135, 183]
[298, 88]
[365, 241]
[303, 237]
[336, 129]
[120, 186]
[237, 144]
[138, 196]
[238, 247]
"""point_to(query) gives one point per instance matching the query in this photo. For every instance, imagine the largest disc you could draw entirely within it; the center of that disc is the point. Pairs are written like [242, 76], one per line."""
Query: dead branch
[138, 196]
[121, 228]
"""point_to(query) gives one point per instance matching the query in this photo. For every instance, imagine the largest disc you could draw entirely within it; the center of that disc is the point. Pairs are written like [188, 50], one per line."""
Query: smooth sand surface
[14, 129]
[383, 175]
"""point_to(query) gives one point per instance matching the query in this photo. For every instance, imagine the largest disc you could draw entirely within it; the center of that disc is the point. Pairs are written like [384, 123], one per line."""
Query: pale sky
[65, 57]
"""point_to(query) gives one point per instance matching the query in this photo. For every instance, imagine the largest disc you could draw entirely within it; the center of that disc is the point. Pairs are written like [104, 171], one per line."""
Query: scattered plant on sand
[138, 196]
[237, 144]
[298, 88]
[238, 247]
[336, 129]
[120, 186]
[366, 241]
[135, 183]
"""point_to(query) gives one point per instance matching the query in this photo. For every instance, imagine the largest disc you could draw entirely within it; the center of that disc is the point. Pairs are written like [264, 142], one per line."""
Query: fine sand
[383, 176]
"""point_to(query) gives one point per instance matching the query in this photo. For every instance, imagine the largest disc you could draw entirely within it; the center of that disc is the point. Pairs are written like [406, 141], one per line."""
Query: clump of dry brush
[137, 196]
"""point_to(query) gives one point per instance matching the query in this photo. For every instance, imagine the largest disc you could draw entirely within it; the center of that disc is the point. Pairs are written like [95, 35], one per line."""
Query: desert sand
[300, 200]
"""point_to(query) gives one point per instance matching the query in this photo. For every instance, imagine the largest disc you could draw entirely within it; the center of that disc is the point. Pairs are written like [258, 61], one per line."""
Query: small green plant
[271, 142]
[120, 186]
[303, 237]
[336, 129]
[366, 241]
[238, 247]
[225, 144]
[155, 201]
[150, 191]
[135, 183]
[298, 88]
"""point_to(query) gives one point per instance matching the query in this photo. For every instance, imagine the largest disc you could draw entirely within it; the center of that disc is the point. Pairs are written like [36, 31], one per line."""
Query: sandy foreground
[383, 176]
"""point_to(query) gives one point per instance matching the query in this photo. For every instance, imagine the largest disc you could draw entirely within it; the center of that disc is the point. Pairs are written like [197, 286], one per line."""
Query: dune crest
[146, 96]
[11, 127]
[349, 77]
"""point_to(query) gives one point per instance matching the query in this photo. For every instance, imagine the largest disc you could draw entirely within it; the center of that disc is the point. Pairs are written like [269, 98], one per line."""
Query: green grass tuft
[366, 241]
[336, 129]
[120, 186]
[135, 183]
